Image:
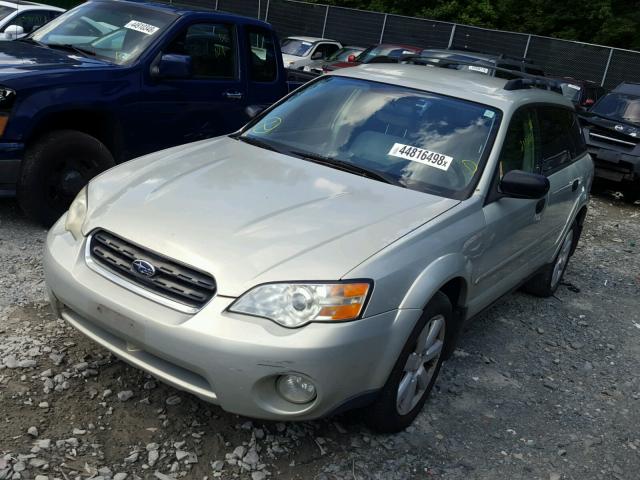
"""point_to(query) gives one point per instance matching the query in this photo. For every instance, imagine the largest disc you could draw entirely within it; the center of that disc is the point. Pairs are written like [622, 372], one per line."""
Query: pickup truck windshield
[412, 138]
[116, 32]
[298, 48]
[619, 106]
[5, 11]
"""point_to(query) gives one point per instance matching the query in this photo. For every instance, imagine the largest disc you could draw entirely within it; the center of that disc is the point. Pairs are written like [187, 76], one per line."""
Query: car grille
[171, 279]
[613, 138]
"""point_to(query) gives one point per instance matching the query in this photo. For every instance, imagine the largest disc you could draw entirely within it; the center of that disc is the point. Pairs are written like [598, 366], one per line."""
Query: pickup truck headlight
[77, 214]
[296, 304]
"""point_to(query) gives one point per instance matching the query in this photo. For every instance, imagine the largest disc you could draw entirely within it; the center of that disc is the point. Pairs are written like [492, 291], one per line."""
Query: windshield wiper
[349, 167]
[73, 48]
[256, 143]
[31, 40]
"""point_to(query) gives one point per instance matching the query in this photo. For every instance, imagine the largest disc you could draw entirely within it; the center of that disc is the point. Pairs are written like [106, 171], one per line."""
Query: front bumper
[10, 159]
[227, 359]
[615, 166]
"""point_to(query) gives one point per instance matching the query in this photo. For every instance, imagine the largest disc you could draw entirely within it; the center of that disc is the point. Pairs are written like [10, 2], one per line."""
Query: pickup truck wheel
[54, 170]
[415, 371]
[546, 282]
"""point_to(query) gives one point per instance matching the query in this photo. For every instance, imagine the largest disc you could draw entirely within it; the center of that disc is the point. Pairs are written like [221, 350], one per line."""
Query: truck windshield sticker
[141, 27]
[268, 125]
[420, 155]
[575, 87]
[473, 68]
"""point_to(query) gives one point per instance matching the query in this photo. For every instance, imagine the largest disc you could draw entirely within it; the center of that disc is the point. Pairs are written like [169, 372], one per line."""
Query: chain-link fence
[604, 65]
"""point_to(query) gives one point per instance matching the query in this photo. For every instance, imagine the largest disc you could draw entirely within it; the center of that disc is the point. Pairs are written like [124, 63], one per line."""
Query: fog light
[296, 389]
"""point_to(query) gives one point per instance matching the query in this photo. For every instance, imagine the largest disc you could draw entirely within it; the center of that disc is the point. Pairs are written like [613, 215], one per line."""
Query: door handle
[233, 95]
[575, 185]
[540, 205]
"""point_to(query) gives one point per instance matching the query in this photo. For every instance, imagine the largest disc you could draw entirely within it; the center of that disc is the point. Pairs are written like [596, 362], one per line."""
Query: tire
[546, 281]
[55, 168]
[389, 414]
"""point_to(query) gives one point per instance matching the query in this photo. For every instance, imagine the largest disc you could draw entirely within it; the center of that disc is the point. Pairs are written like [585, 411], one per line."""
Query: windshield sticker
[575, 87]
[489, 113]
[420, 155]
[473, 68]
[141, 27]
[267, 125]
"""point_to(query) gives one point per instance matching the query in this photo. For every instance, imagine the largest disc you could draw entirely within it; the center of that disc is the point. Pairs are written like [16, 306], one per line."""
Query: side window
[326, 49]
[520, 149]
[558, 135]
[211, 47]
[262, 55]
[31, 20]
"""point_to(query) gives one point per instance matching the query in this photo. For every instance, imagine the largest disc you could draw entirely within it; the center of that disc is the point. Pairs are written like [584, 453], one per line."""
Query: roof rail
[532, 81]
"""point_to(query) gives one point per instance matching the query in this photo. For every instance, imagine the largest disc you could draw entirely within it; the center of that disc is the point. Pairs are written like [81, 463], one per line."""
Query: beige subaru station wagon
[326, 256]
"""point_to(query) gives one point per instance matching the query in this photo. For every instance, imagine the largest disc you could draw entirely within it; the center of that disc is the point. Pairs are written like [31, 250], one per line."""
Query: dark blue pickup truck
[112, 80]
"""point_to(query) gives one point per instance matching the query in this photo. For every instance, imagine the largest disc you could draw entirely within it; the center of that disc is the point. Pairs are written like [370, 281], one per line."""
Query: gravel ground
[538, 389]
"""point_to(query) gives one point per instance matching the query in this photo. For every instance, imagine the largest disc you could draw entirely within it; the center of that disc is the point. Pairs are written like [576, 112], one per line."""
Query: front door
[209, 103]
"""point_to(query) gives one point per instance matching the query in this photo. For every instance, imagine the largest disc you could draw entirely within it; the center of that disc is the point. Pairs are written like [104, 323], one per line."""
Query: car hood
[248, 215]
[17, 57]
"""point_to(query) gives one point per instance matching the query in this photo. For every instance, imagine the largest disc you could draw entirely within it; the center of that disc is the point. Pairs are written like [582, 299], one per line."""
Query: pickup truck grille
[171, 280]
[613, 138]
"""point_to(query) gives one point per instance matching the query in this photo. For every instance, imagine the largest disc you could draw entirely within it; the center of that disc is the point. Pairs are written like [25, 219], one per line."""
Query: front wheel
[54, 170]
[415, 371]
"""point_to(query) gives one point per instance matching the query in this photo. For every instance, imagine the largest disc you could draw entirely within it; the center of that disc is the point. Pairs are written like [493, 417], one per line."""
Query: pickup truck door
[209, 103]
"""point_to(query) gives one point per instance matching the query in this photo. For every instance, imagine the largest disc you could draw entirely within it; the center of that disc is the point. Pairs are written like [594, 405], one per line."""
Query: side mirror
[13, 31]
[317, 56]
[519, 184]
[253, 111]
[351, 58]
[173, 66]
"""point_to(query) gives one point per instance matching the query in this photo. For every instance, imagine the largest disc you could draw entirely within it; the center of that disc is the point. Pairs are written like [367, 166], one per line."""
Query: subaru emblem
[144, 268]
[619, 128]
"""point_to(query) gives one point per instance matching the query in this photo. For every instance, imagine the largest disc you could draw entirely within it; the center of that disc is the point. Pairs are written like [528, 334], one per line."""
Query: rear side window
[212, 50]
[262, 55]
[560, 138]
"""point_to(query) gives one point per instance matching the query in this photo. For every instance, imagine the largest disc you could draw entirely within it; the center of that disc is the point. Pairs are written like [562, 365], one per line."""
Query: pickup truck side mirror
[173, 66]
[13, 31]
[520, 184]
[317, 56]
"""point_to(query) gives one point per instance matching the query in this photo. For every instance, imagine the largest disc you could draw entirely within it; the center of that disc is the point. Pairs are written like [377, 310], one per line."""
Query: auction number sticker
[141, 27]
[473, 68]
[420, 155]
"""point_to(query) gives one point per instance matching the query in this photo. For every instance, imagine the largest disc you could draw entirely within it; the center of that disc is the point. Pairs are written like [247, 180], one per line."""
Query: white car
[298, 52]
[20, 18]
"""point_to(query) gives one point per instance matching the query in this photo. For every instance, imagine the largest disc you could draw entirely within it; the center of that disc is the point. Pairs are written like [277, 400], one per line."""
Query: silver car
[327, 255]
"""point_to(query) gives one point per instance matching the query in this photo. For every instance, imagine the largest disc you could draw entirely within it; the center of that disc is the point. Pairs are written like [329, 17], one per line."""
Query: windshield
[420, 140]
[619, 106]
[571, 91]
[116, 32]
[297, 48]
[342, 54]
[379, 51]
[5, 11]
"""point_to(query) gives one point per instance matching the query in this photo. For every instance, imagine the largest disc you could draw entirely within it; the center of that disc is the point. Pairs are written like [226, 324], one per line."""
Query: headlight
[296, 304]
[77, 214]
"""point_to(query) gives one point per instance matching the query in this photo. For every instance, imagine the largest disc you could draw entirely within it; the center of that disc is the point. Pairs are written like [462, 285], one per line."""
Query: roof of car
[627, 87]
[312, 39]
[466, 85]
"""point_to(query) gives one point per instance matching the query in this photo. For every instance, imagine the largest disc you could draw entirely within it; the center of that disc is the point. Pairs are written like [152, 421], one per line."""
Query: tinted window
[420, 140]
[211, 48]
[557, 138]
[262, 57]
[5, 11]
[519, 150]
[619, 106]
[326, 49]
